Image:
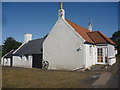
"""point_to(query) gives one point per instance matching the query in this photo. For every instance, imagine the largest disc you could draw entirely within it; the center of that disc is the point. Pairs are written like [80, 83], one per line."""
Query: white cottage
[70, 46]
[28, 55]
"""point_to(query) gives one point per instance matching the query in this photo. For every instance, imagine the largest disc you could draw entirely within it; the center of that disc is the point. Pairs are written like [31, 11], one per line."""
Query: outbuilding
[7, 59]
[29, 55]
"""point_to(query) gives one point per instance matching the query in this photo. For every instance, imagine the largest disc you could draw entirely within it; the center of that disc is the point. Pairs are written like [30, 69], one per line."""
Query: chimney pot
[27, 37]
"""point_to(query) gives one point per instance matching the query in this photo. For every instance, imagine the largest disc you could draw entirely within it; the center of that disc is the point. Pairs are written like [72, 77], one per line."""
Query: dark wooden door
[11, 61]
[37, 61]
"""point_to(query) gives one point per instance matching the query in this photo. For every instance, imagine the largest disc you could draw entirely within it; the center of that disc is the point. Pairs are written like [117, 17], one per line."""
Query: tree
[9, 44]
[116, 38]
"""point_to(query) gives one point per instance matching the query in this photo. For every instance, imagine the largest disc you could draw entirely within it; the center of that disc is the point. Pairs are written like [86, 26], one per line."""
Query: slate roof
[32, 47]
[94, 37]
[9, 54]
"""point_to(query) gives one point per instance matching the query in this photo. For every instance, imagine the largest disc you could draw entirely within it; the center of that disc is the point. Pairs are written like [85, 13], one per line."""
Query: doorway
[102, 55]
[37, 61]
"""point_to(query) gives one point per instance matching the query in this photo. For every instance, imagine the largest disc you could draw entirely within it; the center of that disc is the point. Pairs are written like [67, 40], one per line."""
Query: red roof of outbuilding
[94, 37]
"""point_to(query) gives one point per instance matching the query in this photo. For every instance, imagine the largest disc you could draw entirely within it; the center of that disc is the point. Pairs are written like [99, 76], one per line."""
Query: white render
[90, 55]
[61, 45]
[61, 12]
[2, 61]
[5, 61]
[111, 54]
[27, 37]
[22, 61]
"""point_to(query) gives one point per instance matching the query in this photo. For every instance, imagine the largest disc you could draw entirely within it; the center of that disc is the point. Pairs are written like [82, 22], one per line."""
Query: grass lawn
[36, 78]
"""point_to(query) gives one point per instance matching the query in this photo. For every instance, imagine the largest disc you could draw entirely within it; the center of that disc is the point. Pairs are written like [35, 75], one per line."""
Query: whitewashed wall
[61, 45]
[95, 54]
[22, 62]
[2, 61]
[90, 55]
[116, 51]
[6, 61]
[111, 54]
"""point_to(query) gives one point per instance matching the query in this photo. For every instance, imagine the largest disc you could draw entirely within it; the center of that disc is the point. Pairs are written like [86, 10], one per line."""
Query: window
[100, 54]
[27, 57]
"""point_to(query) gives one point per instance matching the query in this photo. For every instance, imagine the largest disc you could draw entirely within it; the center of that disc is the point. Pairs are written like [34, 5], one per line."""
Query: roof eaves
[8, 53]
[18, 48]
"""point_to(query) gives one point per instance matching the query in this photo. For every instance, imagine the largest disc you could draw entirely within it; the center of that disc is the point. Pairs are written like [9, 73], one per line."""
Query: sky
[38, 18]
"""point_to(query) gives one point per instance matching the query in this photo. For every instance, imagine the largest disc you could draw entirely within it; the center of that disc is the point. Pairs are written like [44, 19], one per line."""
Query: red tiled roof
[98, 37]
[94, 37]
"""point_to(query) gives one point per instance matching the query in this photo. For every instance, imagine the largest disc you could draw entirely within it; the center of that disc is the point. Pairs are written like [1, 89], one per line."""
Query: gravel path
[103, 79]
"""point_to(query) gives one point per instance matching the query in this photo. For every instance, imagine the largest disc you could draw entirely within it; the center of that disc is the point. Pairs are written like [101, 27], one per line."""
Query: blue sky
[38, 18]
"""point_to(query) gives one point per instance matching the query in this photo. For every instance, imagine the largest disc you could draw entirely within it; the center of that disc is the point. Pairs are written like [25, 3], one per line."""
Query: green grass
[37, 78]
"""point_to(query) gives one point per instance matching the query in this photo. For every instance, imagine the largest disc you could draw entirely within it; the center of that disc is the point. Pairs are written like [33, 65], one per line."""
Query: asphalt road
[113, 81]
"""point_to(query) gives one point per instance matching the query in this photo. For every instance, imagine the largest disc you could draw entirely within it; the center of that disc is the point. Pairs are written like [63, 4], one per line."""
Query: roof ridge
[35, 39]
[77, 24]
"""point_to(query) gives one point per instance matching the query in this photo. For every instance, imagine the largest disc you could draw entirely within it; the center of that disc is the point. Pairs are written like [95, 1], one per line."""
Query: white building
[7, 59]
[68, 46]
[28, 55]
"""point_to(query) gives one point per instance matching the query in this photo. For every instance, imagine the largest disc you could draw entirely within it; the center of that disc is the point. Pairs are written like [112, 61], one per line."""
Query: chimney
[27, 37]
[61, 12]
[90, 27]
